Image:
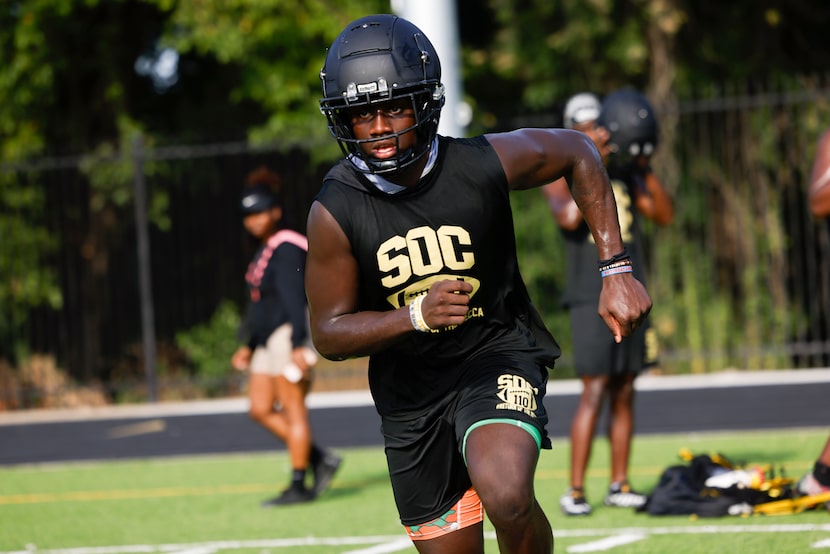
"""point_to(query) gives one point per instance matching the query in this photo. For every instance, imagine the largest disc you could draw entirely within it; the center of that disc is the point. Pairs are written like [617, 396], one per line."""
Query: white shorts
[274, 358]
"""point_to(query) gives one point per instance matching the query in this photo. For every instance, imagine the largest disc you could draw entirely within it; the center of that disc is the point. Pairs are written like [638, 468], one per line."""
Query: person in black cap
[276, 344]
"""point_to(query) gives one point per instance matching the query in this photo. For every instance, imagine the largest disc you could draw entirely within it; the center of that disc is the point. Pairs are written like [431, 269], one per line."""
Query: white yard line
[395, 543]
[607, 543]
[385, 548]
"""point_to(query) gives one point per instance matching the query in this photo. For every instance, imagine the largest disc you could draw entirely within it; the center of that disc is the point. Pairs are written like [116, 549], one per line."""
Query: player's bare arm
[339, 330]
[562, 205]
[651, 199]
[533, 157]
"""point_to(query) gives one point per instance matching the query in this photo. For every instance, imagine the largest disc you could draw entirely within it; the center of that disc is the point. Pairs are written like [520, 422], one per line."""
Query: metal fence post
[148, 329]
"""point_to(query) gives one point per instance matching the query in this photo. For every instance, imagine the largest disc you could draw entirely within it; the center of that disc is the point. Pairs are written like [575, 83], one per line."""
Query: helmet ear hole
[376, 59]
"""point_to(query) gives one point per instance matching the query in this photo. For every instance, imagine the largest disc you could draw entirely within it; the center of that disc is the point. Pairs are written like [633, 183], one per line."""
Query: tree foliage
[74, 98]
[279, 47]
[81, 79]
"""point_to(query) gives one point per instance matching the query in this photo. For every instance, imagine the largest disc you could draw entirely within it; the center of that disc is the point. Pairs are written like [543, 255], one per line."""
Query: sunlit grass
[213, 501]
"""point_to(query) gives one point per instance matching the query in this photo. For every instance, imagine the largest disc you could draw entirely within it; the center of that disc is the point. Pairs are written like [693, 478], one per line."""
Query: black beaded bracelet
[615, 258]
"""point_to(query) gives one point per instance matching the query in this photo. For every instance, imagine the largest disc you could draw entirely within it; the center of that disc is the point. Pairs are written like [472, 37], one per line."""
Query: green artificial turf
[211, 504]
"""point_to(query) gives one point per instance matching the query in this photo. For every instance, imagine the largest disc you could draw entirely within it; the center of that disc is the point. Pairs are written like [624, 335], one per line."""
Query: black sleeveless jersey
[455, 224]
[583, 281]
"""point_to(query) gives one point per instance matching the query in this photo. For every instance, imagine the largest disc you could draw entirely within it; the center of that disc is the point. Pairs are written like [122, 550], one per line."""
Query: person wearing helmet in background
[276, 344]
[412, 261]
[624, 129]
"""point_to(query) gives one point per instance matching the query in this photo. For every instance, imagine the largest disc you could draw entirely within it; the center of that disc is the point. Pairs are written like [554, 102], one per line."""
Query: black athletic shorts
[424, 449]
[594, 351]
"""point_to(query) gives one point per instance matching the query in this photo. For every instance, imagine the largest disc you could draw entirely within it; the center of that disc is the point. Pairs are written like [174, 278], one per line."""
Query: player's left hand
[623, 304]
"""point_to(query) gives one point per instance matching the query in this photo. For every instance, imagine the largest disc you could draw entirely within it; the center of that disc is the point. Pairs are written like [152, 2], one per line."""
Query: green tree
[279, 47]
[72, 94]
[248, 71]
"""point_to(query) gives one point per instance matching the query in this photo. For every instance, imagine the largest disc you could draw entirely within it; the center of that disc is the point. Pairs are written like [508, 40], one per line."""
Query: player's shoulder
[467, 151]
[342, 172]
[476, 142]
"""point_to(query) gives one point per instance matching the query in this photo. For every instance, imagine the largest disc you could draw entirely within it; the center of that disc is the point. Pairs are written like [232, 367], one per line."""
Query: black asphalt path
[665, 405]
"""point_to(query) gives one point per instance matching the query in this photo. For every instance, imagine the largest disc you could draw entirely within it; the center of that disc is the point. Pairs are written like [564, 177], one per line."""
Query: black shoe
[290, 495]
[324, 471]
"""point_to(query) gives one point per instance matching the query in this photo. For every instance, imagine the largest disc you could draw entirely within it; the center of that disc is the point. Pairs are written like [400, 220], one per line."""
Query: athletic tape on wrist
[416, 317]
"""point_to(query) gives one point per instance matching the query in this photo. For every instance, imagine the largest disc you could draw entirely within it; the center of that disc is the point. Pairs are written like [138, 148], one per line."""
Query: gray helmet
[631, 124]
[376, 59]
[580, 108]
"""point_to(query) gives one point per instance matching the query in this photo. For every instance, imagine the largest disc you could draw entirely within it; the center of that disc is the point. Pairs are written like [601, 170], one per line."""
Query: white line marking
[217, 546]
[394, 546]
[695, 530]
[824, 543]
[606, 544]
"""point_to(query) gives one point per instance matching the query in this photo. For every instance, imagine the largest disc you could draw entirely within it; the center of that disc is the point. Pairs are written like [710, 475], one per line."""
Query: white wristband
[415, 315]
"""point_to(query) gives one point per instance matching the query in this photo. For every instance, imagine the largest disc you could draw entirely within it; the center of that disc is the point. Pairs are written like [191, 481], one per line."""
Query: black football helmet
[631, 124]
[376, 59]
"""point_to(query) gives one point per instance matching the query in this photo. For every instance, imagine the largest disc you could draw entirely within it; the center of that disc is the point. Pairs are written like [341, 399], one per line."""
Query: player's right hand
[446, 303]
[241, 359]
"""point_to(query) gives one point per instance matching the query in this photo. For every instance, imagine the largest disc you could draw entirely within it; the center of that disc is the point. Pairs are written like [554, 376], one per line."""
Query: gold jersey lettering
[516, 393]
[423, 252]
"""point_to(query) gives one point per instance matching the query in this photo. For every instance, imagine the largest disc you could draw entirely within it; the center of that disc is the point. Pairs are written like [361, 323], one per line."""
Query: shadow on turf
[342, 488]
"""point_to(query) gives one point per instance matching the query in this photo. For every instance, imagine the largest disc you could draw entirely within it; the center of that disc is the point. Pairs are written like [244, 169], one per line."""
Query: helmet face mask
[632, 126]
[378, 59]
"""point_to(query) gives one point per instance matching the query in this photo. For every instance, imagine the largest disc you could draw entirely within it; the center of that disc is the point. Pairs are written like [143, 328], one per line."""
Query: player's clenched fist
[446, 303]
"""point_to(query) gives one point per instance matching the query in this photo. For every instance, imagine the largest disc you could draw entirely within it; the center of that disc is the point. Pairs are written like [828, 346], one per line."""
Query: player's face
[383, 120]
[261, 224]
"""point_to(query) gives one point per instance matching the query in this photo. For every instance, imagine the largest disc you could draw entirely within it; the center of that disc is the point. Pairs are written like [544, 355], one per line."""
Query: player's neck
[410, 176]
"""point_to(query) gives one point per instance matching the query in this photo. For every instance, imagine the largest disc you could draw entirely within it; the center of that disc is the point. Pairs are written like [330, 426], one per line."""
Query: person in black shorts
[412, 261]
[606, 368]
[275, 346]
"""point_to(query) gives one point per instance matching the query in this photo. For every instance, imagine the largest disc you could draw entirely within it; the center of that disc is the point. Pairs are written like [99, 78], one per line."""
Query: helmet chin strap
[392, 165]
[388, 166]
[385, 185]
